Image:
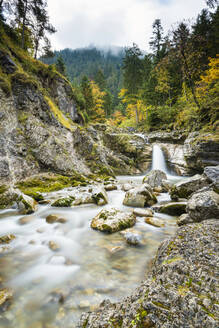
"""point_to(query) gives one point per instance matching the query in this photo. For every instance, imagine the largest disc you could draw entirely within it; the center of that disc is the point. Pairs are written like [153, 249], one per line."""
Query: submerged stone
[155, 222]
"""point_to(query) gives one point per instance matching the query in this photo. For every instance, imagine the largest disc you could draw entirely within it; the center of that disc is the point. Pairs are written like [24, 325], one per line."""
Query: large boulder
[180, 288]
[112, 220]
[212, 174]
[185, 188]
[140, 197]
[203, 205]
[155, 178]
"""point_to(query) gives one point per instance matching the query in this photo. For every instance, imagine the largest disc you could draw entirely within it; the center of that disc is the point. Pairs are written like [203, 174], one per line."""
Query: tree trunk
[23, 25]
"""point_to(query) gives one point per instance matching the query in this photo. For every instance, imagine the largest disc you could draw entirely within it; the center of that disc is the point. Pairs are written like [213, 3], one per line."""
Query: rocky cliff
[41, 125]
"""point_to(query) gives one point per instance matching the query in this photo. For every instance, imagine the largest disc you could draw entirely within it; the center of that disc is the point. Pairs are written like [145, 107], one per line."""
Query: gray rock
[140, 197]
[143, 212]
[212, 174]
[184, 219]
[203, 205]
[155, 178]
[172, 208]
[133, 239]
[156, 222]
[185, 188]
[112, 220]
[179, 290]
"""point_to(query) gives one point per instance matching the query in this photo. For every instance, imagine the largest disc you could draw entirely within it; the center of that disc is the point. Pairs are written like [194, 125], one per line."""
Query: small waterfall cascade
[143, 136]
[158, 159]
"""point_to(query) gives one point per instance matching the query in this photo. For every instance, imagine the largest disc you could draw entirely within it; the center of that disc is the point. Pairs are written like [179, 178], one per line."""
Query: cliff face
[40, 125]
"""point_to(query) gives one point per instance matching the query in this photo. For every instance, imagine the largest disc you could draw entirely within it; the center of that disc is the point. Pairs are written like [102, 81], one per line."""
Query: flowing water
[52, 288]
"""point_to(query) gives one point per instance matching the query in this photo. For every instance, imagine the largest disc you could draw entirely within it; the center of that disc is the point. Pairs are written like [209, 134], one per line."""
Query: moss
[23, 117]
[67, 123]
[49, 183]
[174, 259]
[158, 304]
[63, 202]
[106, 228]
[3, 189]
[35, 195]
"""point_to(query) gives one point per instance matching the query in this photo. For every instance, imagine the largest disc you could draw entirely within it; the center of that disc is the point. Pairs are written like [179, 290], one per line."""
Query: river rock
[154, 178]
[140, 197]
[53, 218]
[63, 202]
[212, 174]
[179, 291]
[53, 246]
[26, 204]
[6, 295]
[100, 196]
[6, 239]
[155, 222]
[110, 187]
[127, 186]
[133, 239]
[26, 219]
[203, 205]
[184, 219]
[185, 188]
[112, 220]
[143, 212]
[173, 208]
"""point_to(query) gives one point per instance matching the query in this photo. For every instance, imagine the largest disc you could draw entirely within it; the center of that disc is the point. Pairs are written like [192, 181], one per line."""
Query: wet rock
[84, 304]
[181, 284]
[110, 187]
[6, 239]
[143, 212]
[184, 219]
[55, 218]
[201, 150]
[26, 204]
[115, 249]
[127, 187]
[155, 222]
[173, 208]
[186, 187]
[212, 174]
[140, 197]
[100, 196]
[63, 202]
[133, 239]
[5, 298]
[203, 205]
[53, 246]
[155, 178]
[112, 220]
[26, 219]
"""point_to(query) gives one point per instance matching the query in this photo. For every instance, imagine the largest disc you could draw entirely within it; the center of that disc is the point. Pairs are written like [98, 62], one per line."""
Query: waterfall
[158, 159]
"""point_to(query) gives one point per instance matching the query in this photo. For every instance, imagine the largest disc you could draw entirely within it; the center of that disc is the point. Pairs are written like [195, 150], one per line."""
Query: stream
[52, 288]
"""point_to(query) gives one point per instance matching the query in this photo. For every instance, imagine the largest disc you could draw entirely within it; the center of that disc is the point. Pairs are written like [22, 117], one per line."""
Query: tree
[157, 40]
[87, 93]
[212, 3]
[100, 79]
[60, 66]
[183, 46]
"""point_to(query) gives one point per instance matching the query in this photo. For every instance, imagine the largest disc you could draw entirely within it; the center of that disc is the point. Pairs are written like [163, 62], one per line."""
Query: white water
[158, 159]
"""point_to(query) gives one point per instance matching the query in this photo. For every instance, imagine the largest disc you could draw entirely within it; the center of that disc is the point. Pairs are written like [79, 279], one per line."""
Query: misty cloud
[114, 22]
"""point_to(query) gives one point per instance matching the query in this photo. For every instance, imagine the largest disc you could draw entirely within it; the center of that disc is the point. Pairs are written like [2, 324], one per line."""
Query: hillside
[88, 61]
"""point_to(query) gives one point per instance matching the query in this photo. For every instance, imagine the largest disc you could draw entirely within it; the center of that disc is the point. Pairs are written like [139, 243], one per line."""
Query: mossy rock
[63, 202]
[48, 183]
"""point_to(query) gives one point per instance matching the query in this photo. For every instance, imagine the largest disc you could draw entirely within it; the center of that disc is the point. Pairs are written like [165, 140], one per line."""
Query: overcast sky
[81, 23]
